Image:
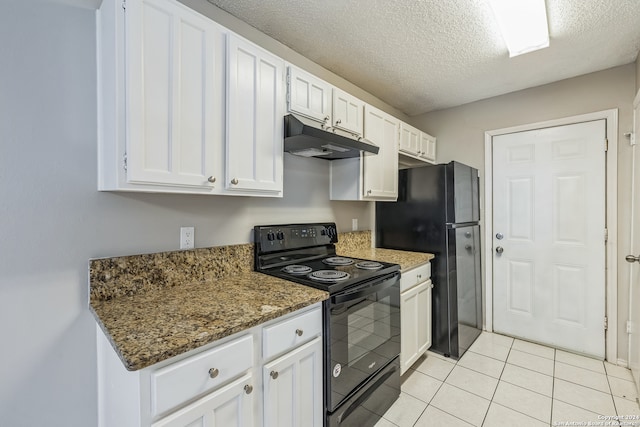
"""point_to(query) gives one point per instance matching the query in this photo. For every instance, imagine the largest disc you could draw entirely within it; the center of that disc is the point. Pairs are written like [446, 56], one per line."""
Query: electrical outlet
[354, 224]
[187, 237]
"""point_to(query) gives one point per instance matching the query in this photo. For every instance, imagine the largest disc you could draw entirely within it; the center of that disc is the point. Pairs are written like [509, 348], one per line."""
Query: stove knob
[271, 236]
[280, 235]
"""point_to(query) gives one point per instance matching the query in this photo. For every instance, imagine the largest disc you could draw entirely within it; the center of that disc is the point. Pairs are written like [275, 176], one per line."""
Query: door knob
[499, 249]
[631, 258]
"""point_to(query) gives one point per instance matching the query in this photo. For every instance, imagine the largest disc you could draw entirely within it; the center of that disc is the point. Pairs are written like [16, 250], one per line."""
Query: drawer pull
[213, 372]
[299, 332]
[248, 388]
[274, 375]
[419, 276]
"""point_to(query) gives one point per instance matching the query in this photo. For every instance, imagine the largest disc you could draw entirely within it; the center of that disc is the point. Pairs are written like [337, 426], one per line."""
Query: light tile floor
[506, 382]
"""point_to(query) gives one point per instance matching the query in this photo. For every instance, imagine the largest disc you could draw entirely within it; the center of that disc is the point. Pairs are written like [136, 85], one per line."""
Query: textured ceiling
[425, 55]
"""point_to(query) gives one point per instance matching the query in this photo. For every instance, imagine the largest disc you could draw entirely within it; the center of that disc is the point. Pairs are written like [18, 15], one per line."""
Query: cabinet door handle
[213, 372]
[274, 375]
[234, 181]
[211, 179]
[248, 388]
[299, 332]
[419, 276]
[338, 122]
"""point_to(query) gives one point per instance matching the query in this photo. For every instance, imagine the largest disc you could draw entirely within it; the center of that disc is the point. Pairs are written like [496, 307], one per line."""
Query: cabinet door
[309, 96]
[409, 139]
[174, 94]
[232, 405]
[415, 311]
[293, 388]
[347, 112]
[409, 329]
[254, 119]
[427, 148]
[424, 317]
[380, 181]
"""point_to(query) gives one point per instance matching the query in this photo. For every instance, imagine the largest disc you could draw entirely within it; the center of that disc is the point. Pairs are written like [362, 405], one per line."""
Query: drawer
[414, 276]
[292, 332]
[182, 381]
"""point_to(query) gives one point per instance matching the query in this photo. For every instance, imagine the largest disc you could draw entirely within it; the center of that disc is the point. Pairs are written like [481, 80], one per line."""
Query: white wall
[460, 133]
[52, 219]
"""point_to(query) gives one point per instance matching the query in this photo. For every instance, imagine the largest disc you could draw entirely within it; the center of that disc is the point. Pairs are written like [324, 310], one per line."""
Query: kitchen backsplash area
[127, 275]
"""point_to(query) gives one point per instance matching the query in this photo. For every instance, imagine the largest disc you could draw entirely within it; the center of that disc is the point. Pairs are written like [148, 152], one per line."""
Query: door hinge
[606, 235]
[124, 4]
[124, 162]
[629, 326]
[606, 323]
[606, 144]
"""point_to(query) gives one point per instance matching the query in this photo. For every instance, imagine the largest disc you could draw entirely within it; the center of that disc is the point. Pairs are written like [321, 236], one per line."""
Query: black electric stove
[306, 253]
[361, 331]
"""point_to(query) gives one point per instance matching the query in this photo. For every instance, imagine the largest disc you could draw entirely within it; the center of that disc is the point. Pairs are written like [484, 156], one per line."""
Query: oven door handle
[359, 292]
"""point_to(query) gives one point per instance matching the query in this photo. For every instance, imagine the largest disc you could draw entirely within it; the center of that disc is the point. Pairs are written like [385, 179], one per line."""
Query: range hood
[302, 139]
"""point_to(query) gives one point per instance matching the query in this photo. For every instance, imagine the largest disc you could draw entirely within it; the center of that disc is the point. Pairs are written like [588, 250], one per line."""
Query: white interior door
[634, 250]
[549, 236]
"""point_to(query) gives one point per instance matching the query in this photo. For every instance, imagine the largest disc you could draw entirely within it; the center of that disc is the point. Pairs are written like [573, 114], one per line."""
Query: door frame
[611, 267]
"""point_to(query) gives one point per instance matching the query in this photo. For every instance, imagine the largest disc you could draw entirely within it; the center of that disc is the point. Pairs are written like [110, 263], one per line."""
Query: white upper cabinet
[254, 119]
[409, 139]
[308, 96]
[428, 147]
[416, 147]
[347, 112]
[370, 176]
[161, 91]
[185, 105]
[381, 170]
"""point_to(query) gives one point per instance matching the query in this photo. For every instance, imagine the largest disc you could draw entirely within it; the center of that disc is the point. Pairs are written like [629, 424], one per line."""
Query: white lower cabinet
[268, 375]
[415, 309]
[293, 387]
[230, 406]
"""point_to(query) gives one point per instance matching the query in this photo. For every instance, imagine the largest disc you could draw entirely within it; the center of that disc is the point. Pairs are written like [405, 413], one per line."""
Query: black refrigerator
[438, 212]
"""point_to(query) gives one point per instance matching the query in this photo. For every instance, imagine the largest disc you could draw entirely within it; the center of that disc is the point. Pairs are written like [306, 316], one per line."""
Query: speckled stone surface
[353, 240]
[357, 244]
[114, 277]
[156, 306]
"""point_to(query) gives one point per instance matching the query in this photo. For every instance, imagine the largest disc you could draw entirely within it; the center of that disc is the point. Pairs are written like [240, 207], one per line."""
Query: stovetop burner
[306, 254]
[329, 275]
[338, 260]
[296, 269]
[369, 265]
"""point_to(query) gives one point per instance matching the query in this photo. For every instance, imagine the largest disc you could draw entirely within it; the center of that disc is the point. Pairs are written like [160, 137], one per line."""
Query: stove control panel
[270, 238]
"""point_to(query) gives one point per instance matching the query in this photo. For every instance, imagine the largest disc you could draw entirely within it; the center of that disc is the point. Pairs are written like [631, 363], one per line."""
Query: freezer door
[466, 207]
[464, 274]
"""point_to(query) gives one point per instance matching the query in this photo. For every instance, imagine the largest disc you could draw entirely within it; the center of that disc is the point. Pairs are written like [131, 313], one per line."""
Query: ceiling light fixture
[523, 24]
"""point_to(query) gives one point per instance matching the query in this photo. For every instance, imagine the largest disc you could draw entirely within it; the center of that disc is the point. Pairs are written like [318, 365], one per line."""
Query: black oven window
[364, 328]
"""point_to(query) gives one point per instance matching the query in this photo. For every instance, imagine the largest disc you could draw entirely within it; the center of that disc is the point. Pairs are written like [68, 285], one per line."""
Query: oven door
[362, 335]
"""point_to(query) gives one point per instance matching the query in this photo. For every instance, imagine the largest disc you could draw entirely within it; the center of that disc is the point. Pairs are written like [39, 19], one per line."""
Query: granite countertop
[156, 306]
[357, 244]
[406, 259]
[152, 307]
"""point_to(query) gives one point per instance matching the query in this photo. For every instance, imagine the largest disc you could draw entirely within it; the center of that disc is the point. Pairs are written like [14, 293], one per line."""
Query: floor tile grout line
[498, 385]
